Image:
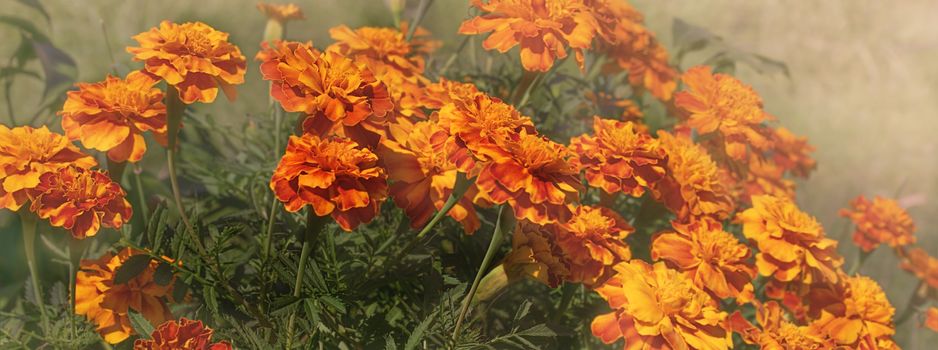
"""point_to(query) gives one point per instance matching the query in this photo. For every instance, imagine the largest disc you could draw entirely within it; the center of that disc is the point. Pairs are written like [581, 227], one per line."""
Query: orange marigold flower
[446, 91]
[26, 154]
[107, 303]
[582, 250]
[185, 334]
[281, 12]
[111, 116]
[694, 186]
[764, 177]
[332, 175]
[80, 200]
[775, 331]
[922, 265]
[193, 57]
[534, 176]
[714, 259]
[659, 308]
[863, 317]
[792, 246]
[619, 157]
[543, 28]
[931, 318]
[424, 177]
[477, 124]
[720, 103]
[791, 152]
[879, 221]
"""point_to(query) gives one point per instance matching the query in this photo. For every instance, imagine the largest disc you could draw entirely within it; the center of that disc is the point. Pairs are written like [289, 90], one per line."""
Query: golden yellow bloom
[397, 62]
[693, 187]
[26, 154]
[659, 308]
[775, 332]
[281, 12]
[718, 103]
[715, 260]
[763, 177]
[862, 317]
[880, 221]
[193, 57]
[107, 303]
[423, 176]
[793, 249]
[792, 152]
[619, 157]
[332, 175]
[111, 116]
[543, 28]
[446, 91]
[80, 200]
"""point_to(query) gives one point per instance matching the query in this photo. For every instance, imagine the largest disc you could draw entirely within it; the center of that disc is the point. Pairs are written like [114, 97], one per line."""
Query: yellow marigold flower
[582, 250]
[659, 308]
[543, 28]
[694, 186]
[185, 334]
[792, 152]
[80, 200]
[26, 154]
[764, 177]
[477, 124]
[718, 103]
[334, 176]
[281, 12]
[619, 157]
[533, 175]
[861, 318]
[775, 331]
[111, 116]
[193, 57]
[879, 221]
[714, 259]
[423, 176]
[931, 318]
[793, 249]
[107, 304]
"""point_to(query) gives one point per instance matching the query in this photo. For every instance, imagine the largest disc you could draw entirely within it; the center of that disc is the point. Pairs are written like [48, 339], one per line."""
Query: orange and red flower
[193, 57]
[26, 154]
[543, 28]
[111, 116]
[920, 264]
[533, 175]
[931, 318]
[332, 175]
[107, 303]
[477, 124]
[712, 258]
[861, 318]
[775, 331]
[424, 177]
[694, 186]
[80, 200]
[619, 157]
[281, 12]
[445, 91]
[184, 334]
[792, 152]
[659, 308]
[879, 221]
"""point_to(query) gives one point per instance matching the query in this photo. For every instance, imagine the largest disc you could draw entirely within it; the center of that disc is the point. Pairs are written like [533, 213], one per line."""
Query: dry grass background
[864, 77]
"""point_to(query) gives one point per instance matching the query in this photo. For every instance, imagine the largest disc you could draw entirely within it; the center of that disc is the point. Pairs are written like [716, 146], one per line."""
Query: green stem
[141, 195]
[116, 170]
[76, 248]
[313, 228]
[421, 11]
[453, 56]
[860, 259]
[504, 223]
[28, 222]
[911, 307]
[523, 88]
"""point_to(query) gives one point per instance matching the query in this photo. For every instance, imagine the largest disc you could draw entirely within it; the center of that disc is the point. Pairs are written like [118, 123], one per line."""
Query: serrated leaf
[389, 343]
[140, 323]
[211, 297]
[132, 267]
[540, 330]
[333, 302]
[163, 274]
[418, 332]
[25, 26]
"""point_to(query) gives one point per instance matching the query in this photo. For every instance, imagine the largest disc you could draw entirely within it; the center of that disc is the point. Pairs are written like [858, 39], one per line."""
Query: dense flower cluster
[620, 157]
[880, 221]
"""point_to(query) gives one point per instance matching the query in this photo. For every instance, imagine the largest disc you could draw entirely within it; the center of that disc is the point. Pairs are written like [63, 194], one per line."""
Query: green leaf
[389, 343]
[689, 38]
[333, 302]
[140, 323]
[25, 26]
[180, 288]
[36, 5]
[211, 297]
[418, 333]
[163, 274]
[131, 268]
[59, 68]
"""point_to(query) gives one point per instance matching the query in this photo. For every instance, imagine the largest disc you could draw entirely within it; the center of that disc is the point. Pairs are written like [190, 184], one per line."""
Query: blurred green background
[863, 85]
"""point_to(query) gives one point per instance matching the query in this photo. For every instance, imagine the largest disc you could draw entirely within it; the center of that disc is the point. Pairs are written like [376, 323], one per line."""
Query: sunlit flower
[714, 259]
[80, 200]
[792, 152]
[111, 116]
[792, 246]
[338, 94]
[718, 103]
[184, 334]
[423, 176]
[659, 308]
[478, 124]
[281, 12]
[543, 28]
[775, 331]
[921, 264]
[535, 253]
[193, 57]
[879, 221]
[764, 177]
[931, 318]
[862, 317]
[446, 91]
[693, 186]
[107, 303]
[26, 154]
[533, 175]
[619, 157]
[333, 176]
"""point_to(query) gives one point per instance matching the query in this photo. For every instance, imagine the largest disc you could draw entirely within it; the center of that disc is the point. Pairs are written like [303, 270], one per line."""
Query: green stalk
[912, 306]
[421, 11]
[858, 262]
[505, 222]
[313, 228]
[141, 195]
[462, 184]
[116, 170]
[28, 222]
[76, 248]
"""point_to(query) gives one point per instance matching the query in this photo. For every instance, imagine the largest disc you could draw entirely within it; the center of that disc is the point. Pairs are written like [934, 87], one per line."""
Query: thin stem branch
[421, 11]
[313, 228]
[141, 195]
[28, 222]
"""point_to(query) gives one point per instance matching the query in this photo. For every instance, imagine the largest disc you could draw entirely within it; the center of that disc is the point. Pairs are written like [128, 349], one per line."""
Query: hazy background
[863, 86]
